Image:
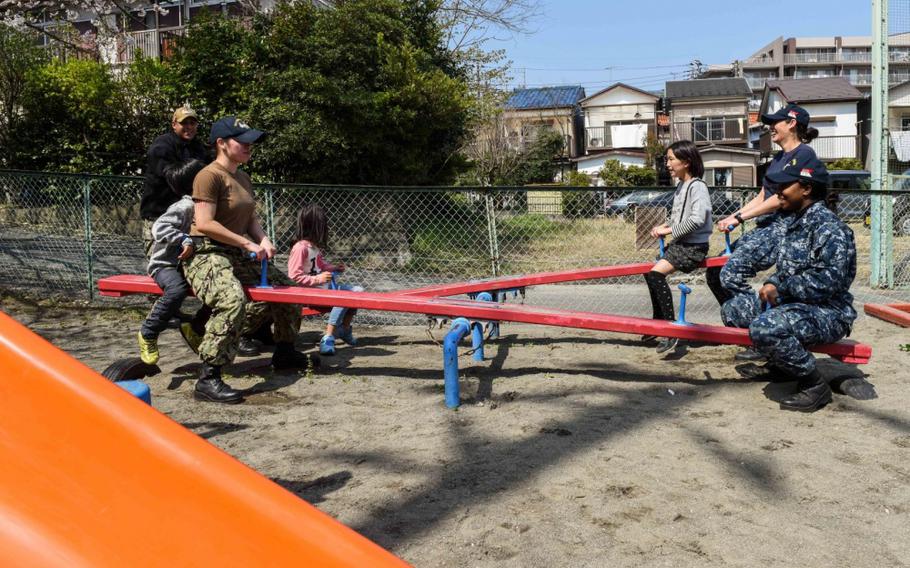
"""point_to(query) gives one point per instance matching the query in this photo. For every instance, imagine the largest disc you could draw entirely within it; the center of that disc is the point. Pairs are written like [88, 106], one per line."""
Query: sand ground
[572, 448]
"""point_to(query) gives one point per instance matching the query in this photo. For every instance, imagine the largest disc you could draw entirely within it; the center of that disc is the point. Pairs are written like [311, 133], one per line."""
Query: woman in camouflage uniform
[228, 233]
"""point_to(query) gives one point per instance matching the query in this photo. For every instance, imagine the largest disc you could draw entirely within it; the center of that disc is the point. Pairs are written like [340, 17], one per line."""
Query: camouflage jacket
[816, 262]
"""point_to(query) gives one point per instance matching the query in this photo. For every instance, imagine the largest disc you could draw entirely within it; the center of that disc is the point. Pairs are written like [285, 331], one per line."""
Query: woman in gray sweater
[689, 224]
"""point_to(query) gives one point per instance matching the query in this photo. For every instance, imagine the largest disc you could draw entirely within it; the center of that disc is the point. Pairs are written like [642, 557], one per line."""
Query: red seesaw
[846, 350]
[895, 313]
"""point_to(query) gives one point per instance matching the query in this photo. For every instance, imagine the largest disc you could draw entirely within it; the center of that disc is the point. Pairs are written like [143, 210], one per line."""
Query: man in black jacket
[178, 146]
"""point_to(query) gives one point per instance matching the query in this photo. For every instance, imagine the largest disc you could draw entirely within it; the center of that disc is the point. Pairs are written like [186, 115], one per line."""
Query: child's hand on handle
[323, 277]
[186, 252]
[661, 230]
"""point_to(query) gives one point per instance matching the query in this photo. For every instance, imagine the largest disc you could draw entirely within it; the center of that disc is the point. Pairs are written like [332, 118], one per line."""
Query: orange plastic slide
[91, 476]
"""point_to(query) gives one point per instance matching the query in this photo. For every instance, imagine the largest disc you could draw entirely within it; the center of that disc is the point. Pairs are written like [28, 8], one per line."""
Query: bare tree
[470, 23]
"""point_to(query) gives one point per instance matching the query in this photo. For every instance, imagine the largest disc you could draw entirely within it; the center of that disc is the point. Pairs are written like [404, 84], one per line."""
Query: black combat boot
[246, 347]
[211, 388]
[286, 357]
[813, 394]
[749, 354]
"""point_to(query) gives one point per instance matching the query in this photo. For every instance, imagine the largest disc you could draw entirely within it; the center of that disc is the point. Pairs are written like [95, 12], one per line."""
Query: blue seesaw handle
[660, 243]
[263, 270]
[728, 251]
[681, 320]
[333, 285]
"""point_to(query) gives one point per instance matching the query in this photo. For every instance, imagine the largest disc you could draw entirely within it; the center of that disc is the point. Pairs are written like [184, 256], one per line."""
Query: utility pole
[882, 260]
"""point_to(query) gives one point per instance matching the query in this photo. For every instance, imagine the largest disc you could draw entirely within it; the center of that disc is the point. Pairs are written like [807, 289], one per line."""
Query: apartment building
[817, 57]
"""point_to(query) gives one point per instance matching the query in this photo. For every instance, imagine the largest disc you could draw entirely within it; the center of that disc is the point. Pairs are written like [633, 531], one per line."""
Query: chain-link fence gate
[59, 233]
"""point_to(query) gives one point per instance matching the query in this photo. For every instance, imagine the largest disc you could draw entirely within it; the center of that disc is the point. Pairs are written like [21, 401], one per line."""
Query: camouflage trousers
[217, 274]
[147, 239]
[752, 253]
[781, 333]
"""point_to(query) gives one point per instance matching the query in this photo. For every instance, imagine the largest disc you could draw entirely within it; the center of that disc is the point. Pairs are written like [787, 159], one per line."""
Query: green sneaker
[148, 350]
[193, 339]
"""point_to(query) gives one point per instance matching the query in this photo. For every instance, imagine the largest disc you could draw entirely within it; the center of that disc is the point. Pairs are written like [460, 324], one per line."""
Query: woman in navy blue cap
[228, 232]
[809, 292]
[790, 130]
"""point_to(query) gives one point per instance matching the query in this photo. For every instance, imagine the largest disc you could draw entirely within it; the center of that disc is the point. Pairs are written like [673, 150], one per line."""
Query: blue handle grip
[728, 250]
[333, 285]
[263, 270]
[660, 242]
[681, 320]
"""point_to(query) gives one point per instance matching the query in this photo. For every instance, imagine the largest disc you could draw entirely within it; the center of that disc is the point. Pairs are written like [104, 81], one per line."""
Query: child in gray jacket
[172, 244]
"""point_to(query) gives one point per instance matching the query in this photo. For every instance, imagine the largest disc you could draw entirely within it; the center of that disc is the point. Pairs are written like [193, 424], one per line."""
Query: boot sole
[206, 398]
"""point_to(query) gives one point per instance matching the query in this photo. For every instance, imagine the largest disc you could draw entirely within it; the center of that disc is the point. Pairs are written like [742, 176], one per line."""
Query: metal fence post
[492, 234]
[270, 213]
[87, 225]
[882, 274]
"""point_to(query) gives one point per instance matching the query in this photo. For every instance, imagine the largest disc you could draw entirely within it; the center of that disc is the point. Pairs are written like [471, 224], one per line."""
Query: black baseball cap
[790, 111]
[806, 167]
[233, 127]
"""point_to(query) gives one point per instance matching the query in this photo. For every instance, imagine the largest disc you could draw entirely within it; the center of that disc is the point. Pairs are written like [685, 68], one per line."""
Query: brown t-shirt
[232, 195]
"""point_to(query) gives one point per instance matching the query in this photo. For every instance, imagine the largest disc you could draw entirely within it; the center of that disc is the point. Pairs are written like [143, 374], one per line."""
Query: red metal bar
[315, 297]
[895, 313]
[129, 284]
[509, 282]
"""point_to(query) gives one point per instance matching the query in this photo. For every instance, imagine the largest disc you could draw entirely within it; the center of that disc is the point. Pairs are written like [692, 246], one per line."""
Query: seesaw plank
[847, 350]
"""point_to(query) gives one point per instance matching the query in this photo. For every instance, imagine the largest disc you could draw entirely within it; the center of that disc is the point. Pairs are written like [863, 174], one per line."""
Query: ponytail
[806, 133]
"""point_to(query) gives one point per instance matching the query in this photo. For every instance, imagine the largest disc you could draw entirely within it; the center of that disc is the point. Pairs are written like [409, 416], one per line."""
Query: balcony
[802, 58]
[835, 147]
[600, 138]
[522, 142]
[762, 61]
[150, 43]
[712, 130]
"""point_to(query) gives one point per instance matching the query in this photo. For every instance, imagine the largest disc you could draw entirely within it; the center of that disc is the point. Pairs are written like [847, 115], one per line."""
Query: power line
[608, 68]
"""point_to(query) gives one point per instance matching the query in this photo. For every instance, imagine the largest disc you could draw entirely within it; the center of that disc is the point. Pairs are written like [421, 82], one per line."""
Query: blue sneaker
[346, 334]
[327, 345]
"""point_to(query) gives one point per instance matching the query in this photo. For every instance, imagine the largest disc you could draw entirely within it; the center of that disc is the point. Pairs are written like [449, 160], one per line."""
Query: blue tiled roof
[546, 97]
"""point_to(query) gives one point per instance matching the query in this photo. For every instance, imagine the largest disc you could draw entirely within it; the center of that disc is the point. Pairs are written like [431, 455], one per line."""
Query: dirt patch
[573, 448]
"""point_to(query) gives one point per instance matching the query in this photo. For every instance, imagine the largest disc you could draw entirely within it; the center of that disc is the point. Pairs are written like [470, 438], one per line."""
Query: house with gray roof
[529, 112]
[714, 114]
[832, 104]
[709, 111]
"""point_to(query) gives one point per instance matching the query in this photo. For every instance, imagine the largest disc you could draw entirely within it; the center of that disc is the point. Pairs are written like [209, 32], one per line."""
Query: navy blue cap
[233, 127]
[786, 113]
[804, 167]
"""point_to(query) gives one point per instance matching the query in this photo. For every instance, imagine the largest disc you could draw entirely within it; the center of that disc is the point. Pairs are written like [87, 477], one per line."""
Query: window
[722, 177]
[905, 122]
[707, 129]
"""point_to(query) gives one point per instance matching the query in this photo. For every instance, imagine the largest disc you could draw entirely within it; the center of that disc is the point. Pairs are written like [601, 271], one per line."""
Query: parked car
[855, 206]
[721, 204]
[850, 206]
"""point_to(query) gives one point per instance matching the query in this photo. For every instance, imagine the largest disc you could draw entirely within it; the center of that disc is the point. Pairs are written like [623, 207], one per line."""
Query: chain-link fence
[59, 233]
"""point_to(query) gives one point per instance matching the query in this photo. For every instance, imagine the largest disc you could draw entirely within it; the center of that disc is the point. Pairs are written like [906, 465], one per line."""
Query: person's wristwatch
[739, 217]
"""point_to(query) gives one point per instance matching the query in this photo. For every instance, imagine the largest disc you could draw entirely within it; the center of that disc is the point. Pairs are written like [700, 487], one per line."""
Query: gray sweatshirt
[169, 233]
[690, 219]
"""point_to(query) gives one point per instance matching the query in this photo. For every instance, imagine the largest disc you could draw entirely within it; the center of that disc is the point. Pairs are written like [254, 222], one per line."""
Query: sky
[595, 43]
